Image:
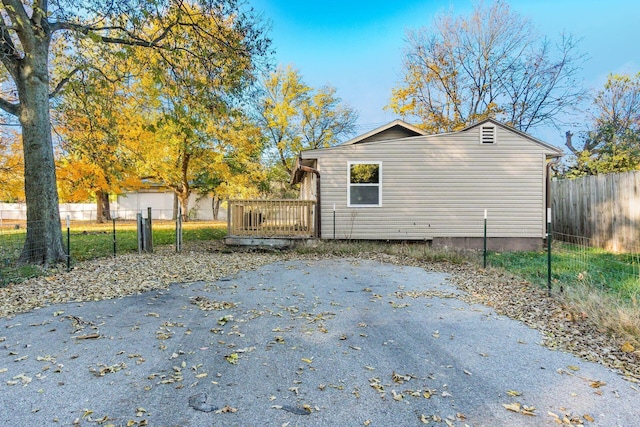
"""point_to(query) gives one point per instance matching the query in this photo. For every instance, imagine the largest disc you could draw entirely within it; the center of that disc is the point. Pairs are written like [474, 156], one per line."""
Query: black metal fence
[84, 240]
[561, 261]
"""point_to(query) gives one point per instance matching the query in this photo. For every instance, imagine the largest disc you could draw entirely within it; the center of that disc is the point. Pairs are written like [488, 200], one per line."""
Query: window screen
[364, 184]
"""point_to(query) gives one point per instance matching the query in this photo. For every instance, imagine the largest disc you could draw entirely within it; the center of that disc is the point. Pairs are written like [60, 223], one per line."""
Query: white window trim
[379, 184]
[495, 134]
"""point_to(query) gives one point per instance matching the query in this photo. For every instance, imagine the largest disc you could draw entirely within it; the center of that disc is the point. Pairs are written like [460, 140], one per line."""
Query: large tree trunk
[43, 244]
[103, 213]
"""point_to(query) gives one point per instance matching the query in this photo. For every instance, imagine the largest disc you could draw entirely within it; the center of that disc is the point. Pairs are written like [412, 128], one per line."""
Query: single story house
[399, 183]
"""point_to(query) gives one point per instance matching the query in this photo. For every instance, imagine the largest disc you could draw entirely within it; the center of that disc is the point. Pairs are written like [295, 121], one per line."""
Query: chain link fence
[578, 259]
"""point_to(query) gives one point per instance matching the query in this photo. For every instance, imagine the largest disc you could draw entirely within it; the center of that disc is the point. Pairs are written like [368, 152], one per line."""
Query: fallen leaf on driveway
[513, 407]
[226, 409]
[87, 337]
[293, 409]
[400, 379]
[521, 409]
[207, 304]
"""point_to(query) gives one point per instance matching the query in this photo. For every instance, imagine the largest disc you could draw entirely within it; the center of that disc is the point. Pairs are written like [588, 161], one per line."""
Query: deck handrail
[271, 218]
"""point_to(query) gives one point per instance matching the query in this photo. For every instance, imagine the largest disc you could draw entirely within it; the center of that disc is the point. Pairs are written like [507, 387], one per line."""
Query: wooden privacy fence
[603, 208]
[271, 218]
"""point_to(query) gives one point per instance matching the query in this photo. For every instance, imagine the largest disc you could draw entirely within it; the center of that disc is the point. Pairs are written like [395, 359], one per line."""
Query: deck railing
[271, 218]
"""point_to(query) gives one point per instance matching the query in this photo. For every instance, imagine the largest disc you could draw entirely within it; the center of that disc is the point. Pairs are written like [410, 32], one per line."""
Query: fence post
[549, 251]
[334, 221]
[140, 233]
[149, 242]
[114, 237]
[148, 233]
[68, 243]
[179, 230]
[485, 240]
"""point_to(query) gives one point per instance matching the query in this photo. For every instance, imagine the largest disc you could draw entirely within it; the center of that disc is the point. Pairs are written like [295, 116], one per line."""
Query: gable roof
[398, 130]
[378, 134]
[550, 147]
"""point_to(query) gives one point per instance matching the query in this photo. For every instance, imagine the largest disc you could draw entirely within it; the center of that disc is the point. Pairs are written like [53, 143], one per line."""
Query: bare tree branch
[490, 64]
[9, 55]
[63, 82]
[9, 107]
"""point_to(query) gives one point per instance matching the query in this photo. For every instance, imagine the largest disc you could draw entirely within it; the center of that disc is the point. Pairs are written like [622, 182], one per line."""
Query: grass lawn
[574, 265]
[91, 240]
[96, 240]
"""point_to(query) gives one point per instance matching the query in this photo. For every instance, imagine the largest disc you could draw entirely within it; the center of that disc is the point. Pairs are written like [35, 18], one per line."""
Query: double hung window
[365, 184]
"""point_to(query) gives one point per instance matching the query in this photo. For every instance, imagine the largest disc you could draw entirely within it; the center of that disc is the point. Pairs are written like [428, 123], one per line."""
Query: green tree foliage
[459, 70]
[613, 143]
[296, 117]
[43, 44]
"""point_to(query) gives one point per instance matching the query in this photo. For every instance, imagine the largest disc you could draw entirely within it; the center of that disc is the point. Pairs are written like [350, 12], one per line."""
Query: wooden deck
[271, 218]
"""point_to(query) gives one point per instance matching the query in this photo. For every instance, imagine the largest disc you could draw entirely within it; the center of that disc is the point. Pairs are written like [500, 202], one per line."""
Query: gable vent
[488, 134]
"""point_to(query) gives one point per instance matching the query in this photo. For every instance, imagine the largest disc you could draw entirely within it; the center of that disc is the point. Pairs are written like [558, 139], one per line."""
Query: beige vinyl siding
[439, 186]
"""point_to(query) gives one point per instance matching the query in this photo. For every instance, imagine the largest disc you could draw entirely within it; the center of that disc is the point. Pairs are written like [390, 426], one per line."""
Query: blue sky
[357, 46]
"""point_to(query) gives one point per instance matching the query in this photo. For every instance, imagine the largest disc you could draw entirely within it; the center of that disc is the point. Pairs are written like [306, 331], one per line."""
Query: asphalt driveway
[297, 343]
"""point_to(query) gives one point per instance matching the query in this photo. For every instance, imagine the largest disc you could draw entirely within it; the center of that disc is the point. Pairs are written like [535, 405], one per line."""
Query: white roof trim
[396, 122]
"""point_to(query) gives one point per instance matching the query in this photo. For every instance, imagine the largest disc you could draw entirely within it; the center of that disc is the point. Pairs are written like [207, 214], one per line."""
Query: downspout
[318, 206]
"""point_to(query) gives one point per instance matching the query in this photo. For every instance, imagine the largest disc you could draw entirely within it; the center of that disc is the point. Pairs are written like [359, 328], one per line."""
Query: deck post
[229, 213]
